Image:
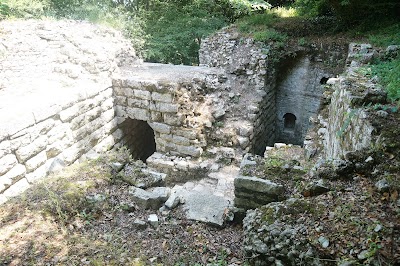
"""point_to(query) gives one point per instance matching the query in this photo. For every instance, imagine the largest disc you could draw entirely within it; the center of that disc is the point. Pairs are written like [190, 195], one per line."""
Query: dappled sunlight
[28, 234]
[284, 12]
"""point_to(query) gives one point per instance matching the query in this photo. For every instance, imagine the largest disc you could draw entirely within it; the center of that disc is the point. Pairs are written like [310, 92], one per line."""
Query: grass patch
[389, 75]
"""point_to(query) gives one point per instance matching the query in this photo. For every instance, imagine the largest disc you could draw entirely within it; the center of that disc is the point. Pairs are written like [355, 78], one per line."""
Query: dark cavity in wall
[138, 138]
[299, 90]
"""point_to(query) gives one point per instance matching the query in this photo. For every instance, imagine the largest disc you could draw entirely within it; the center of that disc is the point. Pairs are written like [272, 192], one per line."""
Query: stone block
[156, 116]
[245, 130]
[151, 199]
[5, 148]
[72, 153]
[12, 176]
[36, 161]
[190, 134]
[7, 162]
[153, 220]
[85, 118]
[41, 128]
[161, 97]
[160, 127]
[138, 113]
[167, 107]
[250, 185]
[14, 123]
[27, 152]
[138, 103]
[43, 112]
[70, 113]
[181, 140]
[189, 150]
[243, 142]
[121, 100]
[173, 119]
[39, 173]
[142, 94]
[120, 111]
[16, 188]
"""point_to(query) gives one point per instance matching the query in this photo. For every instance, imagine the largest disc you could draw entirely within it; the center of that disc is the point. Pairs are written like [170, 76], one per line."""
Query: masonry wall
[86, 126]
[299, 93]
[56, 100]
[252, 79]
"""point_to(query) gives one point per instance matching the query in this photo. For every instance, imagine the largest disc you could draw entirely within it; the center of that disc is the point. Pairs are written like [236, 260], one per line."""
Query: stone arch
[138, 138]
[289, 121]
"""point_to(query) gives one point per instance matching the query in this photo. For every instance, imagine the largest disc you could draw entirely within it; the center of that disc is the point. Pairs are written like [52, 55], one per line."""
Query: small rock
[382, 185]
[363, 255]
[172, 201]
[378, 228]
[279, 145]
[315, 188]
[153, 220]
[369, 159]
[139, 224]
[117, 166]
[219, 113]
[382, 113]
[323, 241]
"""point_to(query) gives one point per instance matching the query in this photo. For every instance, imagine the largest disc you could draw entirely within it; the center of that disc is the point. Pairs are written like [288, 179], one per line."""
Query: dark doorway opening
[138, 138]
[289, 121]
[323, 80]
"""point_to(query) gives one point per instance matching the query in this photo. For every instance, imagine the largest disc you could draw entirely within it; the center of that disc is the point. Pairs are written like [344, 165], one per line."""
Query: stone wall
[56, 100]
[347, 127]
[83, 91]
[175, 102]
[252, 82]
[268, 90]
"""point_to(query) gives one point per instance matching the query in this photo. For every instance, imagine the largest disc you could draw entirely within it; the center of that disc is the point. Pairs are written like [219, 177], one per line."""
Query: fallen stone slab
[253, 192]
[206, 207]
[152, 199]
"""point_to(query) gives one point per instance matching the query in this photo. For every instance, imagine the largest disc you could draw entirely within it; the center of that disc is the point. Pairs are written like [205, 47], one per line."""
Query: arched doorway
[289, 121]
[138, 138]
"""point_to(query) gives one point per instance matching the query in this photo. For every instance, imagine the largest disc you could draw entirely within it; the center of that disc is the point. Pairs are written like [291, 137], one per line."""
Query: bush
[174, 36]
[4, 10]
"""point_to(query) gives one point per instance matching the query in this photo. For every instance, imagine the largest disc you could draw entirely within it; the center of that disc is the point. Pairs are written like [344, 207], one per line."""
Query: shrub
[4, 10]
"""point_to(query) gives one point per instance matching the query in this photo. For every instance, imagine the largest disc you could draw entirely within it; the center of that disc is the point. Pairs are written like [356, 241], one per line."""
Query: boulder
[152, 199]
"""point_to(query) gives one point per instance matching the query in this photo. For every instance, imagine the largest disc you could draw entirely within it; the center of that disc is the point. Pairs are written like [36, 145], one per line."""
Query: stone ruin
[71, 90]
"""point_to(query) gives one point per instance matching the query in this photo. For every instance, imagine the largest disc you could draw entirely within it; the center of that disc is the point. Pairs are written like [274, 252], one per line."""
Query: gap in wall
[138, 138]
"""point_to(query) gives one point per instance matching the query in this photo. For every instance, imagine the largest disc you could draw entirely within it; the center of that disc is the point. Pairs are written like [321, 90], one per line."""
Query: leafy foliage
[175, 31]
[4, 10]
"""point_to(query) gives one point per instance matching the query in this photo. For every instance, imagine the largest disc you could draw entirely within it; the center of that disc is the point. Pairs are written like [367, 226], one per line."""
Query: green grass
[385, 36]
[389, 75]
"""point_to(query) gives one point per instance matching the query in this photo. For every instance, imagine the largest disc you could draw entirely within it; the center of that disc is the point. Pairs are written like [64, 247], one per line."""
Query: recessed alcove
[289, 121]
[138, 138]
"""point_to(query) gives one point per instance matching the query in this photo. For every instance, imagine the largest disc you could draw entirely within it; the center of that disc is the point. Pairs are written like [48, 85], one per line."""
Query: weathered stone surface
[7, 162]
[152, 199]
[36, 161]
[270, 238]
[252, 192]
[153, 220]
[160, 127]
[32, 149]
[13, 175]
[203, 207]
